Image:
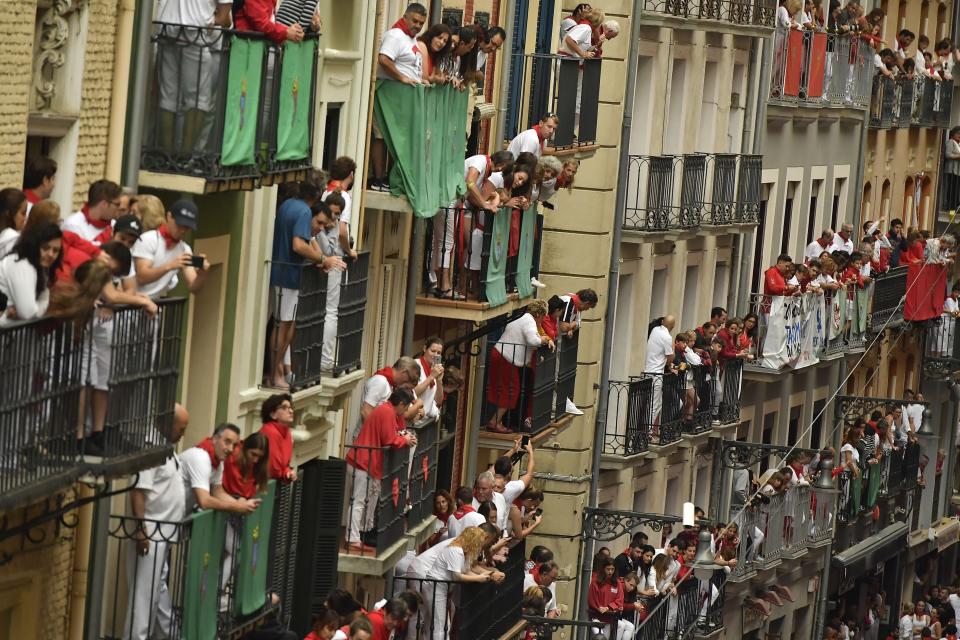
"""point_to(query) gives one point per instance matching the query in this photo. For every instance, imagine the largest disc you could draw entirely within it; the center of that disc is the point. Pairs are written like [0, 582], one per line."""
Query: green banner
[873, 485]
[201, 587]
[856, 492]
[251, 566]
[495, 280]
[863, 306]
[528, 234]
[425, 130]
[241, 111]
[293, 112]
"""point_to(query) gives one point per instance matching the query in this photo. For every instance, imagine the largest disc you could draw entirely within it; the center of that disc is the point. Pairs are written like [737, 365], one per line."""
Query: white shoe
[536, 283]
[572, 408]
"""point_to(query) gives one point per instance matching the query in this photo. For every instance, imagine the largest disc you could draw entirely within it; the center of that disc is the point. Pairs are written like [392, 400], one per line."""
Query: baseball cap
[185, 214]
[128, 224]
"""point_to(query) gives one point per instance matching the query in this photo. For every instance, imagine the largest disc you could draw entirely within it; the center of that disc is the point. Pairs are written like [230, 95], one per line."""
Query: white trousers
[149, 609]
[330, 319]
[625, 630]
[363, 507]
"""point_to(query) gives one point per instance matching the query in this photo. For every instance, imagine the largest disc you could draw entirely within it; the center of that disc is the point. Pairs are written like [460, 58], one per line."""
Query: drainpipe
[613, 281]
[137, 105]
[505, 69]
[413, 277]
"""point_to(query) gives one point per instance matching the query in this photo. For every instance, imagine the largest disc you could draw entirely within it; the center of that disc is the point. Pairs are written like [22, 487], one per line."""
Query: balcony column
[693, 90]
[676, 281]
[725, 79]
[662, 68]
[708, 278]
[928, 447]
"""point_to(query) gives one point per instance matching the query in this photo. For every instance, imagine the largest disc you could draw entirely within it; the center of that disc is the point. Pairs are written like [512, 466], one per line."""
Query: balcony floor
[497, 440]
[465, 309]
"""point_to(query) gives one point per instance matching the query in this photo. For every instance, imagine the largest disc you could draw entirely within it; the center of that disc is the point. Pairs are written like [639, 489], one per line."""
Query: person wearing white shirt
[502, 468]
[512, 352]
[161, 255]
[13, 216]
[818, 246]
[430, 386]
[534, 139]
[570, 21]
[659, 352]
[483, 492]
[842, 240]
[544, 576]
[202, 470]
[94, 219]
[784, 19]
[158, 497]
[26, 273]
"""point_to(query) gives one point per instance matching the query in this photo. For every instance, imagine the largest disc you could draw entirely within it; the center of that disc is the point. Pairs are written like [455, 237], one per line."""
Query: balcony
[348, 322]
[798, 331]
[44, 372]
[477, 266]
[228, 110]
[901, 102]
[941, 348]
[424, 132]
[483, 610]
[530, 399]
[658, 410]
[669, 194]
[747, 13]
[398, 508]
[224, 573]
[888, 291]
[567, 86]
[815, 69]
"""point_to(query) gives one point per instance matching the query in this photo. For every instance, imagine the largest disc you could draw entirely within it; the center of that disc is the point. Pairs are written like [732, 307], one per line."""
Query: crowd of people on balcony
[895, 62]
[119, 249]
[583, 32]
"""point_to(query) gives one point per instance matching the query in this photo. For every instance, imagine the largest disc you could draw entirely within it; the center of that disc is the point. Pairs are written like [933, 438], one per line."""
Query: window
[331, 134]
[640, 500]
[787, 222]
[758, 247]
[673, 134]
[812, 212]
[690, 297]
[816, 430]
[793, 428]
[452, 16]
[658, 294]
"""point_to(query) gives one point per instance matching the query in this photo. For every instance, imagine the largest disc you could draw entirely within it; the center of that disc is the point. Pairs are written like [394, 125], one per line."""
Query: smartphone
[196, 262]
[538, 512]
[524, 441]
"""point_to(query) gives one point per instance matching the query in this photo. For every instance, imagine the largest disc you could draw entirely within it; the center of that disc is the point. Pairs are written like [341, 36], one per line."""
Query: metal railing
[310, 341]
[671, 192]
[910, 102]
[225, 107]
[949, 186]
[728, 381]
[376, 507]
[887, 292]
[941, 346]
[820, 69]
[625, 435]
[566, 378]
[422, 473]
[347, 322]
[525, 398]
[567, 86]
[457, 253]
[760, 13]
[483, 610]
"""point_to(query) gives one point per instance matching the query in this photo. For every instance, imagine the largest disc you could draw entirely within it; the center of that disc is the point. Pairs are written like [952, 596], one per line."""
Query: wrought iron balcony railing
[529, 398]
[229, 106]
[910, 102]
[309, 339]
[422, 473]
[375, 511]
[887, 294]
[941, 346]
[820, 69]
[759, 13]
[567, 86]
[44, 366]
[670, 193]
[347, 323]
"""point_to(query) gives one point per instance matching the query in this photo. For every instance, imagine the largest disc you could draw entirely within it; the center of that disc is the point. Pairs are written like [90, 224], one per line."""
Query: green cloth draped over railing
[296, 89]
[201, 586]
[252, 556]
[528, 232]
[873, 485]
[863, 310]
[495, 279]
[241, 110]
[425, 130]
[856, 493]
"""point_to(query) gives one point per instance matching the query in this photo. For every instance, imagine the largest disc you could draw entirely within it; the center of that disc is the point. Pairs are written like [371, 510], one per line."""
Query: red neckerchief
[488, 170]
[386, 372]
[575, 299]
[822, 242]
[167, 238]
[443, 519]
[400, 24]
[99, 224]
[586, 22]
[561, 181]
[333, 185]
[543, 141]
[463, 510]
[104, 236]
[207, 445]
[32, 196]
[426, 370]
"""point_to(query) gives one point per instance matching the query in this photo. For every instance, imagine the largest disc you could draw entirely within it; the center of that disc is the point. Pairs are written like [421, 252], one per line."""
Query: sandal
[499, 428]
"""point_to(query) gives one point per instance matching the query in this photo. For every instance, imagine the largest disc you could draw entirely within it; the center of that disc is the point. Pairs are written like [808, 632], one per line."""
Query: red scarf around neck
[543, 141]
[400, 24]
[463, 510]
[575, 299]
[99, 224]
[32, 196]
[387, 372]
[426, 370]
[586, 22]
[334, 185]
[167, 238]
[207, 445]
[488, 170]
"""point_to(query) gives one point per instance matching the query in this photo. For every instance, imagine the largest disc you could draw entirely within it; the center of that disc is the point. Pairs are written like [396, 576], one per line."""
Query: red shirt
[380, 631]
[281, 448]
[604, 594]
[257, 15]
[550, 328]
[381, 429]
[76, 251]
[729, 351]
[773, 283]
[233, 481]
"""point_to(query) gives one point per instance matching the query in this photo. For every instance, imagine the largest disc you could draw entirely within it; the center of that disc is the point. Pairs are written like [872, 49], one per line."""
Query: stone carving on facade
[54, 28]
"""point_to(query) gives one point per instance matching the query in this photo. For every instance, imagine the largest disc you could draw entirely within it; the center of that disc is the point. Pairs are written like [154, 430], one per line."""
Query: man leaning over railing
[258, 16]
[158, 495]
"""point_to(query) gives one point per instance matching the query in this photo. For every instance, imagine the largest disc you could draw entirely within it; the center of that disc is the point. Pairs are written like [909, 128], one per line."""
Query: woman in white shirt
[508, 357]
[13, 215]
[919, 619]
[850, 455]
[28, 272]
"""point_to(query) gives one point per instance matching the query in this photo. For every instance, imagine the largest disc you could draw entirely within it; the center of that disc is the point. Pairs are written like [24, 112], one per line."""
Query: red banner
[791, 80]
[926, 291]
[818, 59]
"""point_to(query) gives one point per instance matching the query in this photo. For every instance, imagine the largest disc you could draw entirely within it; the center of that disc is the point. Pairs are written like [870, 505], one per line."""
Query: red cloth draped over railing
[926, 291]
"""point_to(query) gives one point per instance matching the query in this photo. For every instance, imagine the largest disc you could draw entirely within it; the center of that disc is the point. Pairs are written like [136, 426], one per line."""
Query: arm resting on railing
[390, 67]
[311, 252]
[220, 500]
[138, 505]
[118, 297]
[223, 17]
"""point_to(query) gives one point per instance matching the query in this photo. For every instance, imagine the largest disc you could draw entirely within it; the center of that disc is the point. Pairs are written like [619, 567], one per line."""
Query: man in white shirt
[818, 246]
[534, 139]
[659, 353]
[912, 410]
[202, 470]
[187, 67]
[465, 514]
[495, 39]
[483, 492]
[160, 255]
[93, 221]
[544, 576]
[502, 471]
[576, 304]
[379, 386]
[842, 240]
[39, 179]
[158, 496]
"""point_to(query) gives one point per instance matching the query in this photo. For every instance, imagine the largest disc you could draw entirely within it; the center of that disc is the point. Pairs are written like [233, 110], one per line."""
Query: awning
[877, 548]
